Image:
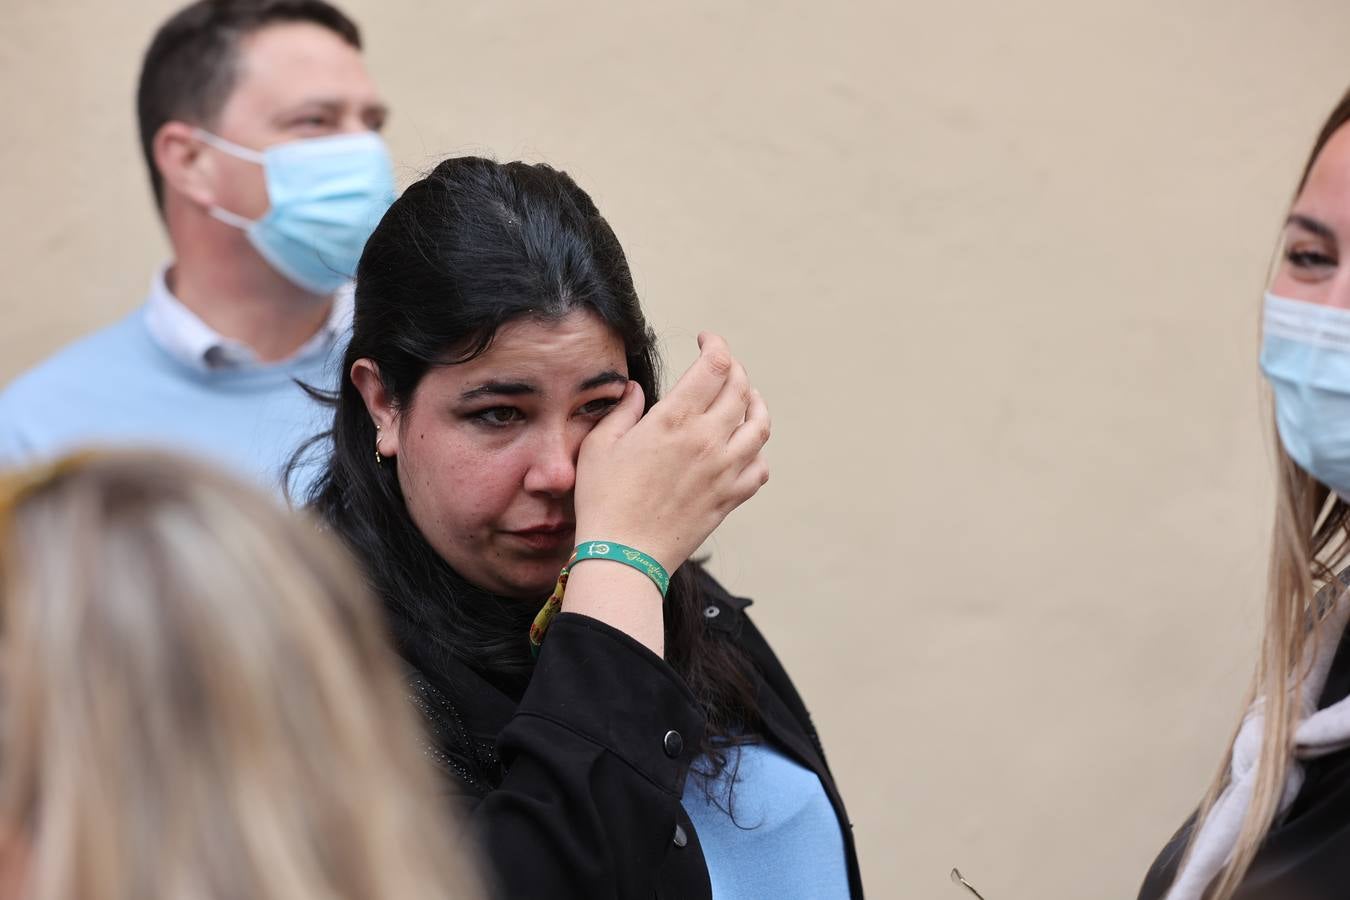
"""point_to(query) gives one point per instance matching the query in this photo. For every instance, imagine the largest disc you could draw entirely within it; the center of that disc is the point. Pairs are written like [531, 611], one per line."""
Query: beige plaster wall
[996, 267]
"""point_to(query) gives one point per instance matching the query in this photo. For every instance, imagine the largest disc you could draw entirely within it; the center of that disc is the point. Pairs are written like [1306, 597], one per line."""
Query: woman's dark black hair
[474, 245]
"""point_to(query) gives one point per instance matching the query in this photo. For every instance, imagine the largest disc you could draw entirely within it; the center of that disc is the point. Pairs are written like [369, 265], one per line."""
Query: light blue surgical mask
[325, 196]
[1305, 354]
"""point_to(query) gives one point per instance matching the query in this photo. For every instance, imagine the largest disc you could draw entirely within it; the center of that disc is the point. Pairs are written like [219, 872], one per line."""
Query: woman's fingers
[701, 383]
[750, 471]
[750, 480]
[733, 401]
[622, 417]
[753, 433]
[699, 451]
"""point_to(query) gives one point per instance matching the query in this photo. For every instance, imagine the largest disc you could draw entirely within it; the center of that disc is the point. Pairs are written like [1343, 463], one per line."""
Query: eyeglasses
[959, 880]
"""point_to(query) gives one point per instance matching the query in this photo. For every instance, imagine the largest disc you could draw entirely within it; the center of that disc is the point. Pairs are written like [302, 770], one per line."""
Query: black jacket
[574, 792]
[1306, 854]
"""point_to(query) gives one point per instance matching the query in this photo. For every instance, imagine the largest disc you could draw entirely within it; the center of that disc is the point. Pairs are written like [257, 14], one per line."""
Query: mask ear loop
[229, 218]
[230, 148]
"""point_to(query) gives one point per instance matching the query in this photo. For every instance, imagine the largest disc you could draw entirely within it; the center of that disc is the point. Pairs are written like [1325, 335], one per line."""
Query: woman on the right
[1276, 821]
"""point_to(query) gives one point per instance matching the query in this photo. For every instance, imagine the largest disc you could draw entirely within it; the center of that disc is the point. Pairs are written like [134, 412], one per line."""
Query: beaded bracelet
[594, 550]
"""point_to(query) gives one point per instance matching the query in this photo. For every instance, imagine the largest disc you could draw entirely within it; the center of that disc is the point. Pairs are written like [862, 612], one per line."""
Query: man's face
[294, 80]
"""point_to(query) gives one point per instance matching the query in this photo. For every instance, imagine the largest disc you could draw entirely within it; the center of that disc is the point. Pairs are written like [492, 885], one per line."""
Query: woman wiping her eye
[1276, 821]
[610, 719]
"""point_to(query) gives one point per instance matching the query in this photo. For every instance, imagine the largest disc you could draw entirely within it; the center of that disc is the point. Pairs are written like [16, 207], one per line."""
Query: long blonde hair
[1308, 544]
[197, 701]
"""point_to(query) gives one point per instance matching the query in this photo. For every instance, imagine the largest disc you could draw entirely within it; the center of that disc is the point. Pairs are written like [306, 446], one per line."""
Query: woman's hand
[663, 482]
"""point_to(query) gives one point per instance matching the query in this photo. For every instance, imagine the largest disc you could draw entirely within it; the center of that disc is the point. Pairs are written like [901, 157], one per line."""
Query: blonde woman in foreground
[1276, 821]
[196, 701]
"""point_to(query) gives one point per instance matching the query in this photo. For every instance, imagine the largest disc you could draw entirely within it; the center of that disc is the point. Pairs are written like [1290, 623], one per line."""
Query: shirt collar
[185, 337]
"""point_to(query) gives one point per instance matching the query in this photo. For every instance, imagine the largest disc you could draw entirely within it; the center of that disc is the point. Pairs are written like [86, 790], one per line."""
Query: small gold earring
[379, 460]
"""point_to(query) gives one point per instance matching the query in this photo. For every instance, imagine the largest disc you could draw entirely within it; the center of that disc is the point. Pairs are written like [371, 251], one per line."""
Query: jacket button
[674, 744]
[680, 837]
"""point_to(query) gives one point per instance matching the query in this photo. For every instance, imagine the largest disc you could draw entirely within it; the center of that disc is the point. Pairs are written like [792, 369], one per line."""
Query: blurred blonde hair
[197, 701]
[1308, 545]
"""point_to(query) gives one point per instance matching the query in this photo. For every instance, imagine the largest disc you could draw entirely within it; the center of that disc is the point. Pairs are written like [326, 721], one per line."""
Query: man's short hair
[190, 68]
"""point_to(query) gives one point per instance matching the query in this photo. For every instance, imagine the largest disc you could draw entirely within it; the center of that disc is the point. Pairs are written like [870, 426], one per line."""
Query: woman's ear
[365, 376]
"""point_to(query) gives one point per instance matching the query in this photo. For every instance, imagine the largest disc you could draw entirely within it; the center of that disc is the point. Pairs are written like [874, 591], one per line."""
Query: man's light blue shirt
[161, 378]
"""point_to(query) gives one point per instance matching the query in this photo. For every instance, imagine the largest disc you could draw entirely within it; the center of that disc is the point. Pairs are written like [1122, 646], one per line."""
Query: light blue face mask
[1305, 354]
[325, 197]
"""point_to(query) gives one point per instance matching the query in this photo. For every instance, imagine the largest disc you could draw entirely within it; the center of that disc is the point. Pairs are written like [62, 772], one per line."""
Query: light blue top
[785, 841]
[119, 387]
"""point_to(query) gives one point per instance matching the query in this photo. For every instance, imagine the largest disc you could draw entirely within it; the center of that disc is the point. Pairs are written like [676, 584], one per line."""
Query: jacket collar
[722, 611]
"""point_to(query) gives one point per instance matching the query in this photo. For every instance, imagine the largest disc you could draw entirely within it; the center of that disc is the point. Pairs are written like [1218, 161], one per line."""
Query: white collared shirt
[188, 339]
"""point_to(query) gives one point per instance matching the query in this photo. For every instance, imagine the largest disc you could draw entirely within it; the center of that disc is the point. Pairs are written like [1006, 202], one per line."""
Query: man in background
[260, 129]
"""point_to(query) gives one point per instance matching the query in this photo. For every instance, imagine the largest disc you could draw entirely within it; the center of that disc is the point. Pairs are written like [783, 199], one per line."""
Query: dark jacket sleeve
[593, 763]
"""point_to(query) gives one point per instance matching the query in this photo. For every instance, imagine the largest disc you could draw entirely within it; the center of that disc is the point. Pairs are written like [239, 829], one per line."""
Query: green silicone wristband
[629, 557]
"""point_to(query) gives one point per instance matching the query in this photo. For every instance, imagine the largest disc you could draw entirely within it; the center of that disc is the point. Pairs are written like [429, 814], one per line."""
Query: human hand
[663, 482]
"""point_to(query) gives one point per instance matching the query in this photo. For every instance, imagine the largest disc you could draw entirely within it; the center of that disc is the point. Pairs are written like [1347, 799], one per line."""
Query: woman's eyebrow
[609, 376]
[1307, 223]
[518, 388]
[498, 389]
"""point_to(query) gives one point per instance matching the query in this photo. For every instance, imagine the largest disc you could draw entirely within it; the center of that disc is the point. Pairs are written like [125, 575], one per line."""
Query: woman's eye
[497, 416]
[1309, 259]
[599, 407]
